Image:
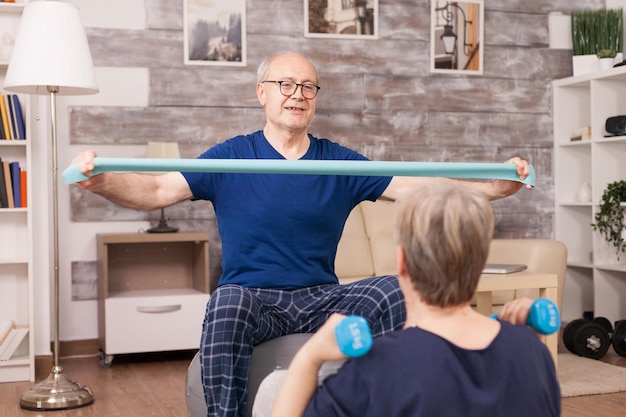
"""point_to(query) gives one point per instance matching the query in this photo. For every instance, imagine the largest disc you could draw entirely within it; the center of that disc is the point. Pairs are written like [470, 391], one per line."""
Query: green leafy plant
[610, 218]
[594, 30]
[606, 53]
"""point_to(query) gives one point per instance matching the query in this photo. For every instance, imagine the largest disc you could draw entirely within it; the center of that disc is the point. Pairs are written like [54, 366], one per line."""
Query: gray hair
[264, 67]
[444, 229]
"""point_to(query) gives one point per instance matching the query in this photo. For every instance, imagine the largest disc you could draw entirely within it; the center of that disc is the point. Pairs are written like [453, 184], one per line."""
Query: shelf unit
[16, 227]
[596, 276]
[152, 291]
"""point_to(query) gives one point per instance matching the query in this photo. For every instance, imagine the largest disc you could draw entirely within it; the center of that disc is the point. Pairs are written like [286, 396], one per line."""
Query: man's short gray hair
[264, 66]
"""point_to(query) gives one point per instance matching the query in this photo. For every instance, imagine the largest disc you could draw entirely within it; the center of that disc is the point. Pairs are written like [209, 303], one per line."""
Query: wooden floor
[606, 405]
[154, 385]
[135, 386]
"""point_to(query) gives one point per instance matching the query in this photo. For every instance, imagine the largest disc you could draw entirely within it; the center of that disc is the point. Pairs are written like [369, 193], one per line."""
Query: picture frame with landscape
[214, 32]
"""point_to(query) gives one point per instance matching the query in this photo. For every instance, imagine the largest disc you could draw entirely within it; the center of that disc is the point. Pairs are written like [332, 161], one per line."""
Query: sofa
[367, 249]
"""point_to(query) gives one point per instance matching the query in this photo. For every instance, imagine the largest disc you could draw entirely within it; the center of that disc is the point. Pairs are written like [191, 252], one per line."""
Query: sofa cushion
[354, 257]
[379, 219]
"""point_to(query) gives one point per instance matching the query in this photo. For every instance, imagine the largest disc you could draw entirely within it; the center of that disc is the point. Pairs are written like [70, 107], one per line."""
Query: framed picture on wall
[341, 19]
[214, 32]
[456, 37]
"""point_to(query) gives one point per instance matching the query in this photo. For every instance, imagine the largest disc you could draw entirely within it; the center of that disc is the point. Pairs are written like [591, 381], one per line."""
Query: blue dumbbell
[354, 336]
[543, 316]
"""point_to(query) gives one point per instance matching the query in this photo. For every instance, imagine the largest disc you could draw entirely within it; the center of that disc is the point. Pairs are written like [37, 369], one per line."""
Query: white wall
[119, 87]
[127, 86]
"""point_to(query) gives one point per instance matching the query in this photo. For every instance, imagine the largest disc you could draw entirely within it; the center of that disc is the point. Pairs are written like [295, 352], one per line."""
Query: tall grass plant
[596, 30]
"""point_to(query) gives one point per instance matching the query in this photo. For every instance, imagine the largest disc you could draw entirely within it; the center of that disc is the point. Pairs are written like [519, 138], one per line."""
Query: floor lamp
[51, 56]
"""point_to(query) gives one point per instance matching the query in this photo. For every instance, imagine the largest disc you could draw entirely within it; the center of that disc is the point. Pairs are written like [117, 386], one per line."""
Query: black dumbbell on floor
[588, 338]
[604, 322]
[619, 337]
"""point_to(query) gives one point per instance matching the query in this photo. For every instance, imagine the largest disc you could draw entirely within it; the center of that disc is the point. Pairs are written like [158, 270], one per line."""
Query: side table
[546, 283]
[152, 291]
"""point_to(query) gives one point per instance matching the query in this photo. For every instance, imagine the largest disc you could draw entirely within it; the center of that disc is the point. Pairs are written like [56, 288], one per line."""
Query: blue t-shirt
[415, 373]
[281, 231]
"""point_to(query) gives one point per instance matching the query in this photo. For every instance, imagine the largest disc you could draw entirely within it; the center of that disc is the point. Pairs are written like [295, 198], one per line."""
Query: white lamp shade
[51, 50]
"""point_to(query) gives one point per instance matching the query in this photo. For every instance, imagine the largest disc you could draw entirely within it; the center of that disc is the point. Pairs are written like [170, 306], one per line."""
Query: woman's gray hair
[444, 229]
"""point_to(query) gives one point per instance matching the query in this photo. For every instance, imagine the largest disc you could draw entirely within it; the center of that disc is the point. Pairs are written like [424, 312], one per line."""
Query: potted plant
[607, 58]
[606, 53]
[593, 31]
[610, 218]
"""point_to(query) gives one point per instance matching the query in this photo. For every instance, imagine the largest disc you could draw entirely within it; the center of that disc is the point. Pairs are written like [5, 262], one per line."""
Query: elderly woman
[448, 360]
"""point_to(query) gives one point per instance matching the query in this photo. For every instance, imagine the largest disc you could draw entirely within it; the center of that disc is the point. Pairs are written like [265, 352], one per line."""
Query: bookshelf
[152, 291]
[596, 278]
[16, 245]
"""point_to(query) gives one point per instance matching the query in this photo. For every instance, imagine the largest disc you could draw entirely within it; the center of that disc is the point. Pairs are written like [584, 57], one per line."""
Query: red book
[23, 188]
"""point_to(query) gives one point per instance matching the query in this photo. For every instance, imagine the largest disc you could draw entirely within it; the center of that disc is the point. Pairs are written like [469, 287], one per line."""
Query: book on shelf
[7, 341]
[11, 336]
[11, 116]
[13, 341]
[19, 117]
[5, 120]
[23, 189]
[8, 185]
[5, 328]
[13, 185]
[14, 167]
[2, 135]
[4, 201]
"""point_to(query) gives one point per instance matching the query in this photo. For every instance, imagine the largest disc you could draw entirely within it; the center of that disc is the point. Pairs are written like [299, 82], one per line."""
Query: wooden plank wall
[377, 97]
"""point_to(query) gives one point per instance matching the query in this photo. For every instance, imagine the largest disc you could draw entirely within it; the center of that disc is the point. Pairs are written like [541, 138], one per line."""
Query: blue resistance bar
[326, 167]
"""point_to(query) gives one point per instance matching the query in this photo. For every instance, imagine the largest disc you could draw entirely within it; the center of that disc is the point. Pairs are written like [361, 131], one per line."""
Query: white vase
[585, 64]
[584, 192]
[606, 63]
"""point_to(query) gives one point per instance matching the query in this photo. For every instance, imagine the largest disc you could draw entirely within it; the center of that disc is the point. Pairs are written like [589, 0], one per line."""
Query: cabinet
[596, 277]
[152, 291]
[16, 230]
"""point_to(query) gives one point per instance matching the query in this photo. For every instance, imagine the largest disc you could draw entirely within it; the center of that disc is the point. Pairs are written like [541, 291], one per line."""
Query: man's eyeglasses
[289, 88]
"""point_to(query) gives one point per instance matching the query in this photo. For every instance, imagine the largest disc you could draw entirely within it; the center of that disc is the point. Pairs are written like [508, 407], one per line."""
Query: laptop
[503, 268]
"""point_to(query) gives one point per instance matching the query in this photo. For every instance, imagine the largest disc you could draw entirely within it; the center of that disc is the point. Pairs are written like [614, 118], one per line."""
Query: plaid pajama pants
[239, 318]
